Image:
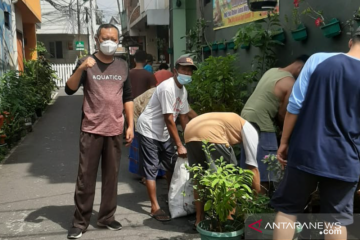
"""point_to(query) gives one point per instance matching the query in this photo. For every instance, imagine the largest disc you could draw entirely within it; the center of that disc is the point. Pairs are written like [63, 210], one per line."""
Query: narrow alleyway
[37, 184]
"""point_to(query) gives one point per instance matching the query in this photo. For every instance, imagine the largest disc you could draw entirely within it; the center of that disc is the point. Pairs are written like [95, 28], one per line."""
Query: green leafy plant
[195, 40]
[217, 86]
[274, 167]
[260, 35]
[221, 186]
[295, 21]
[354, 22]
[314, 14]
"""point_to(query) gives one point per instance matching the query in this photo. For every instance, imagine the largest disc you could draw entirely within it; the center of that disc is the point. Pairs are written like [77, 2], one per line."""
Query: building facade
[60, 29]
[19, 20]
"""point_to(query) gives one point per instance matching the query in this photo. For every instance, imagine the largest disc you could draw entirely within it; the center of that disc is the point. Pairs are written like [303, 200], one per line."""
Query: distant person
[149, 62]
[107, 95]
[141, 80]
[266, 108]
[163, 73]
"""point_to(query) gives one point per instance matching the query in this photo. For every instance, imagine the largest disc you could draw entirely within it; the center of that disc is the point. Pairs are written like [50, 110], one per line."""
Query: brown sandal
[160, 215]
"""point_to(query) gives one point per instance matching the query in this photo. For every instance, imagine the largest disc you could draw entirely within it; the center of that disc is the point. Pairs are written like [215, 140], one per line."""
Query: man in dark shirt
[107, 93]
[320, 142]
[141, 80]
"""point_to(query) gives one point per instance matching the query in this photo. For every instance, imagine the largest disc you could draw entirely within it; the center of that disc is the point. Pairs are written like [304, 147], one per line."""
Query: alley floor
[37, 184]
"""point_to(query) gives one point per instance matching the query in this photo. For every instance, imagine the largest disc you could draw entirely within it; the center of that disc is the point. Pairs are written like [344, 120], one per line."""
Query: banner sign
[228, 13]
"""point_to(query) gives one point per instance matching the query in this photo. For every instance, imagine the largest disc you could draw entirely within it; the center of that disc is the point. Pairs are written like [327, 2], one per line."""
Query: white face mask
[108, 47]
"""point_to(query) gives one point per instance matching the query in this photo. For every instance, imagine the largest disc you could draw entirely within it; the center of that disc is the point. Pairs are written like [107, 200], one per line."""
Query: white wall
[69, 56]
[151, 43]
[14, 26]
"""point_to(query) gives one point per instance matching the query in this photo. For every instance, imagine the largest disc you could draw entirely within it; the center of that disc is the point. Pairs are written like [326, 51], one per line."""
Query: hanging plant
[298, 29]
[329, 28]
[354, 22]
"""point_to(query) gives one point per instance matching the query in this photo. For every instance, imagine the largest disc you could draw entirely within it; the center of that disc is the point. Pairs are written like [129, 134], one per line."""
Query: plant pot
[279, 36]
[300, 33]
[214, 47]
[331, 29]
[245, 46]
[206, 48]
[231, 45]
[222, 46]
[1, 121]
[2, 139]
[261, 5]
[38, 112]
[207, 235]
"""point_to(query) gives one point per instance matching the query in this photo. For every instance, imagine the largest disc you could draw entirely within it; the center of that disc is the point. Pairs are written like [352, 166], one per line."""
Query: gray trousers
[93, 148]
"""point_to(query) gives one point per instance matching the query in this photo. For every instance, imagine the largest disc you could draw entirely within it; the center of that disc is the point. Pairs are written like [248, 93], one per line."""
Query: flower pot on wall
[207, 235]
[279, 35]
[214, 46]
[206, 48]
[222, 46]
[231, 45]
[300, 33]
[331, 29]
[1, 121]
[245, 46]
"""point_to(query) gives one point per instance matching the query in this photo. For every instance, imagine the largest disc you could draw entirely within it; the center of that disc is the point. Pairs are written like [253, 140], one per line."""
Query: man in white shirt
[156, 125]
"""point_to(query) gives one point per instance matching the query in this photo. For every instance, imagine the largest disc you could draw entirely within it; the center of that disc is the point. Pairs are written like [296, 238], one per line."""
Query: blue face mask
[184, 79]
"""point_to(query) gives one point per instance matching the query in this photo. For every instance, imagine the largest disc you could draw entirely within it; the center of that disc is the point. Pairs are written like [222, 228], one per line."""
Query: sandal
[160, 215]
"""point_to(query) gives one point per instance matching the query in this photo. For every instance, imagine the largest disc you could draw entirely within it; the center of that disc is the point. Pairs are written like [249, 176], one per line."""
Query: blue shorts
[267, 145]
[336, 197]
[154, 155]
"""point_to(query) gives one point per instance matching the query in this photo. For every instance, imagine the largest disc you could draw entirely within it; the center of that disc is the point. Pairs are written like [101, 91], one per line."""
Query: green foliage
[295, 19]
[353, 23]
[260, 35]
[195, 40]
[274, 167]
[258, 205]
[22, 93]
[221, 186]
[217, 86]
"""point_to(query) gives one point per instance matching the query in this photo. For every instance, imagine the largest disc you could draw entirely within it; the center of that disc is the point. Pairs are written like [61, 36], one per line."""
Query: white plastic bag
[181, 193]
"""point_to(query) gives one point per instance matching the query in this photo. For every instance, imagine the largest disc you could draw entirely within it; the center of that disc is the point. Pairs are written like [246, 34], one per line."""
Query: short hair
[302, 58]
[356, 38]
[140, 56]
[106, 26]
[163, 66]
[149, 58]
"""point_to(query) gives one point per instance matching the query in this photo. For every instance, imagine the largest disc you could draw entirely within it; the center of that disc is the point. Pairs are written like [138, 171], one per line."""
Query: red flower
[318, 21]
[296, 3]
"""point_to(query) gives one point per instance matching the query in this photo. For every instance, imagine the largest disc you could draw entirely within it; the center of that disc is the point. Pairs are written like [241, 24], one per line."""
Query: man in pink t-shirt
[107, 94]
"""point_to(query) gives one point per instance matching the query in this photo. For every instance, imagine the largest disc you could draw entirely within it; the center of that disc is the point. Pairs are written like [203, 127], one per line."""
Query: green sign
[79, 46]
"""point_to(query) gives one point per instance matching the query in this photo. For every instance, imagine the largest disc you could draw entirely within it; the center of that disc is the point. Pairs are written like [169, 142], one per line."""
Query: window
[7, 19]
[56, 49]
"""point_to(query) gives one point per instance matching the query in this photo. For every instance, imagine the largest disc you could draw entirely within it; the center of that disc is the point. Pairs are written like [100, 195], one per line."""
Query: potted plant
[230, 45]
[278, 35]
[261, 5]
[222, 45]
[329, 28]
[298, 30]
[2, 137]
[1, 120]
[354, 22]
[244, 36]
[220, 188]
[214, 46]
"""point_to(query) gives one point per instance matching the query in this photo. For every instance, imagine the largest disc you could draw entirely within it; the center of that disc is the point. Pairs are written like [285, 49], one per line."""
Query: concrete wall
[151, 43]
[316, 42]
[69, 56]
